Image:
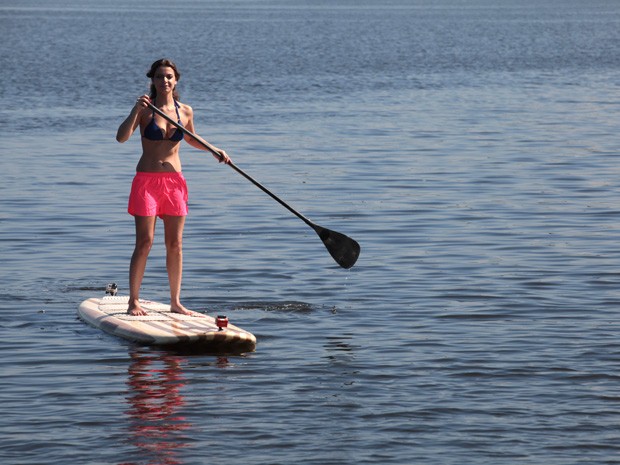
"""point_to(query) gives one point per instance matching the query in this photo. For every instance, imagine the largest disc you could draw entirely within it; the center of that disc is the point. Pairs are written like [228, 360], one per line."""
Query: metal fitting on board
[222, 322]
[111, 289]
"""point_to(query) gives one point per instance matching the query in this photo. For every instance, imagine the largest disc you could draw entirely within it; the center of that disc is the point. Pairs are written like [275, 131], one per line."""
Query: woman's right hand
[142, 102]
[127, 127]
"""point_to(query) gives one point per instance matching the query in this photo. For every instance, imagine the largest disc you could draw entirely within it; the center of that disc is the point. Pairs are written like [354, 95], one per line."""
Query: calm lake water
[471, 148]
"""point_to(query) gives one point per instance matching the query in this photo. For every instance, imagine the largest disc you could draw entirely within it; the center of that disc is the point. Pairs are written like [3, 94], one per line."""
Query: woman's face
[164, 80]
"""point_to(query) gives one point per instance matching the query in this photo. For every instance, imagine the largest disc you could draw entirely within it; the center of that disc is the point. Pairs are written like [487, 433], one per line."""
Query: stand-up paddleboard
[161, 327]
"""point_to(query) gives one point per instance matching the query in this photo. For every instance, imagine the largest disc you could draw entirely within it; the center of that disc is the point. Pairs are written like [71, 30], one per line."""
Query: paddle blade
[342, 248]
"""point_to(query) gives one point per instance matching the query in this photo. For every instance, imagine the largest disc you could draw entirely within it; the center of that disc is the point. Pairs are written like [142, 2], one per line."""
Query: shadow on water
[288, 307]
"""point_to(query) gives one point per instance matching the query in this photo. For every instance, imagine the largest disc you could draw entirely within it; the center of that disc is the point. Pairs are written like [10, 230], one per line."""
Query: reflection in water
[156, 428]
[339, 349]
[341, 356]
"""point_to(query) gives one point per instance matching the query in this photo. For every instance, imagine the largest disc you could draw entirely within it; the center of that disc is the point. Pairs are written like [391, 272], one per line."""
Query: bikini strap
[176, 107]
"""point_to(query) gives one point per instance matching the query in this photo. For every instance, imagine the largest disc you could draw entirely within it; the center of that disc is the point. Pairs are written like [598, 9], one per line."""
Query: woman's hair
[151, 74]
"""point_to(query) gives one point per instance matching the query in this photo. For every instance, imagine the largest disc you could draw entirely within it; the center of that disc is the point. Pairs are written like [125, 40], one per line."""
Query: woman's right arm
[127, 127]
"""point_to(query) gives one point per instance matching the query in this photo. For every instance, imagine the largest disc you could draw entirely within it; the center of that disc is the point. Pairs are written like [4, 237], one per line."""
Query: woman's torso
[160, 142]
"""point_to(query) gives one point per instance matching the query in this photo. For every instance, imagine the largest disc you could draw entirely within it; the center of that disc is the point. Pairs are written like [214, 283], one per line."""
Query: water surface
[471, 151]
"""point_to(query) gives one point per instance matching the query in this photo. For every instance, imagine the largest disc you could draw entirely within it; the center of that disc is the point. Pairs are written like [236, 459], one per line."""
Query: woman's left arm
[199, 142]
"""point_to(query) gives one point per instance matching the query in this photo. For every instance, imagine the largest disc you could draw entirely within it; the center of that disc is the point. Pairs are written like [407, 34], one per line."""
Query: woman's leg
[173, 231]
[145, 232]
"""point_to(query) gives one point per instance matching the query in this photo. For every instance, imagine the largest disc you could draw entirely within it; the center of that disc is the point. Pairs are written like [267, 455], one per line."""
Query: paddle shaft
[212, 149]
[342, 248]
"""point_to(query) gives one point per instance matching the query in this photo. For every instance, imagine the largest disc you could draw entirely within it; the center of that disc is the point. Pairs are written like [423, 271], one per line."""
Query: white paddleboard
[161, 327]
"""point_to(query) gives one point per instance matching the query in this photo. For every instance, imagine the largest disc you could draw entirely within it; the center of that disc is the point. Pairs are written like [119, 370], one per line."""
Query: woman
[159, 188]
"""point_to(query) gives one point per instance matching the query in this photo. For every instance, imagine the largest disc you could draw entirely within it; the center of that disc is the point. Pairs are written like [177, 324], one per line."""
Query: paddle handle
[212, 149]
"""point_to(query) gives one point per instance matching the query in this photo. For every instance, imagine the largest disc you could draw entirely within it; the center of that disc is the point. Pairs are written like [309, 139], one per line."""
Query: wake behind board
[161, 327]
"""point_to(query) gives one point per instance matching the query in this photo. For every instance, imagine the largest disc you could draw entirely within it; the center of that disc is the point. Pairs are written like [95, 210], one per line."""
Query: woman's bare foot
[183, 311]
[180, 309]
[135, 309]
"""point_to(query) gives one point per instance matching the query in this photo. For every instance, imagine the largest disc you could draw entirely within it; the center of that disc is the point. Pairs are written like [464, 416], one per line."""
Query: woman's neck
[162, 101]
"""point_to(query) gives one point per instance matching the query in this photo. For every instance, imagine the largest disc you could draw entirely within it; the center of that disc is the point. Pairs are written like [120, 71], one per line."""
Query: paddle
[342, 248]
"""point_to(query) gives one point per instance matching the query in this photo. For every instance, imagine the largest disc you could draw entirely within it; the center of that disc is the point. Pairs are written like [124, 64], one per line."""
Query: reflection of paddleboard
[164, 328]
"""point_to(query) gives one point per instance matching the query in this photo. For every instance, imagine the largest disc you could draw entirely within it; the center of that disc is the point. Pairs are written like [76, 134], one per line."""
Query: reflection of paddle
[342, 248]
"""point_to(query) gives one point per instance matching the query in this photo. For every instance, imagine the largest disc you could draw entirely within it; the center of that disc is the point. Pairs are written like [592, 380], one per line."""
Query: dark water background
[470, 147]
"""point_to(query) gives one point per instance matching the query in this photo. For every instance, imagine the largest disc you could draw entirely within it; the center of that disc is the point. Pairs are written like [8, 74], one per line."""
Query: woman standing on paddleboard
[159, 188]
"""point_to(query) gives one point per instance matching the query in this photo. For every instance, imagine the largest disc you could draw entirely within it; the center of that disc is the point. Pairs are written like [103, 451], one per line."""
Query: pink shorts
[158, 194]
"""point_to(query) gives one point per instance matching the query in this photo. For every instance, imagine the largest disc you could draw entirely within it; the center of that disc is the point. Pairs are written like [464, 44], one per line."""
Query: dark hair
[151, 74]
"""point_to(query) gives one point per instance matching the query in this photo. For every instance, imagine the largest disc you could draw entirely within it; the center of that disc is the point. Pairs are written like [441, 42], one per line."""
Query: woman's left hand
[223, 157]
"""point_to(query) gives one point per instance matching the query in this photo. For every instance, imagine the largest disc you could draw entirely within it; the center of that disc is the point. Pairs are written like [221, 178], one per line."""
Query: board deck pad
[162, 327]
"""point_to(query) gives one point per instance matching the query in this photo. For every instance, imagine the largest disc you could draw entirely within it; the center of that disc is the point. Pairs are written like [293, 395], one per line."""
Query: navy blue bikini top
[154, 132]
